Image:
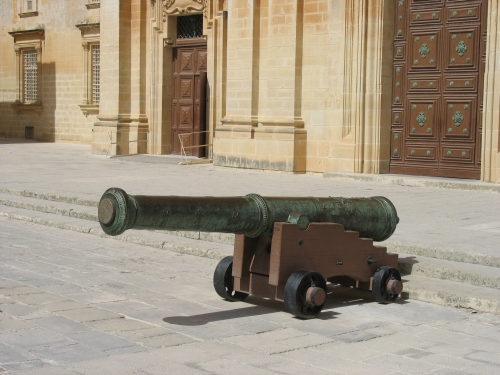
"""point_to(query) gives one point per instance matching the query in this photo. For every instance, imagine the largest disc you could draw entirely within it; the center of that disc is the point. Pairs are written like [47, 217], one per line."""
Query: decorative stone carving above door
[173, 7]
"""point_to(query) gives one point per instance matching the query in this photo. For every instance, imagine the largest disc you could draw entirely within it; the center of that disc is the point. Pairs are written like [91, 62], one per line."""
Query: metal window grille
[94, 1]
[190, 26]
[30, 4]
[96, 74]
[30, 76]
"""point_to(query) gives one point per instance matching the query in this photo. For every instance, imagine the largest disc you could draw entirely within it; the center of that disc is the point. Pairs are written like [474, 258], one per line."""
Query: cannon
[285, 248]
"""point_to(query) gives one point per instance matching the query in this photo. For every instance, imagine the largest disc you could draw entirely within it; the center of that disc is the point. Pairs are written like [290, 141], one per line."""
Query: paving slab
[191, 330]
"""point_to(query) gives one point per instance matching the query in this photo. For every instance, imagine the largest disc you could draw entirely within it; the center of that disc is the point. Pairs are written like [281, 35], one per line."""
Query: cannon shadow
[338, 297]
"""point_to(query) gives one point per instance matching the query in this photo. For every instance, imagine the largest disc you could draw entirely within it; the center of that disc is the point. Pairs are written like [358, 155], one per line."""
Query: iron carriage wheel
[305, 294]
[383, 278]
[223, 281]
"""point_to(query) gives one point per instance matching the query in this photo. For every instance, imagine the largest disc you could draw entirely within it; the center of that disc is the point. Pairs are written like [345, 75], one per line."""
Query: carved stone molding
[176, 7]
[18, 107]
[93, 5]
[89, 28]
[89, 109]
[27, 14]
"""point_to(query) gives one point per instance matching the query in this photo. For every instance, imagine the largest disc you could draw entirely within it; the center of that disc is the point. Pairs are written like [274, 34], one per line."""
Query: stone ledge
[419, 181]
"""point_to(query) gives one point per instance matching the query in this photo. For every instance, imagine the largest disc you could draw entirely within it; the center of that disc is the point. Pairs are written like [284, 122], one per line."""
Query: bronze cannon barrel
[251, 215]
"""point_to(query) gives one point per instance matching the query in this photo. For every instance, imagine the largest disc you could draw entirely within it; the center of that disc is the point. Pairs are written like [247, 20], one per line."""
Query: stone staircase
[441, 276]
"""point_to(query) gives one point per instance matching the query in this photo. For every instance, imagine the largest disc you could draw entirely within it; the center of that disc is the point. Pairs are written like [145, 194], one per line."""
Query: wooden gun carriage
[285, 248]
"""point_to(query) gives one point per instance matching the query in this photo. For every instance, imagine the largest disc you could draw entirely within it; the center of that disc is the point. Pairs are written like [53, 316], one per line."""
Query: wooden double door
[437, 103]
[189, 97]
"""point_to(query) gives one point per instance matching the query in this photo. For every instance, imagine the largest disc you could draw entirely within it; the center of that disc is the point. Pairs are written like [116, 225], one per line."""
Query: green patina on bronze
[251, 215]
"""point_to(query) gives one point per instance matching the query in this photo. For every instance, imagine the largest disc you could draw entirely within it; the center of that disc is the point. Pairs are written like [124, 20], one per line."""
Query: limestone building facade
[361, 86]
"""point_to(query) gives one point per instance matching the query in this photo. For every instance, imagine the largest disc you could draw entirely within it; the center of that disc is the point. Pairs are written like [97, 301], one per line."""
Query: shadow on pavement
[338, 297]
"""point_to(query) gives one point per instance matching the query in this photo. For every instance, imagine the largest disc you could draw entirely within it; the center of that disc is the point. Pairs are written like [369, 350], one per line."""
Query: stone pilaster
[262, 125]
[122, 126]
[490, 153]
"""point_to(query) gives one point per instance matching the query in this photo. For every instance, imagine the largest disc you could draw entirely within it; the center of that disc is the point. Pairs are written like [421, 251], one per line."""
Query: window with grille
[96, 74]
[190, 26]
[30, 76]
[30, 5]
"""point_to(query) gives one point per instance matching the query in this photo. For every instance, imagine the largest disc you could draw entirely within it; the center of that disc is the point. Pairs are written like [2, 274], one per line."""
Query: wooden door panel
[460, 120]
[186, 62]
[424, 85]
[461, 83]
[396, 143]
[202, 61]
[398, 89]
[427, 3]
[468, 12]
[186, 89]
[423, 121]
[186, 117]
[463, 48]
[397, 117]
[422, 154]
[399, 85]
[428, 16]
[400, 23]
[425, 46]
[400, 52]
[458, 154]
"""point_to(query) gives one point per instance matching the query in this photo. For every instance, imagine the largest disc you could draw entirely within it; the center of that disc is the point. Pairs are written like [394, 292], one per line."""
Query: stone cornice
[32, 31]
[81, 26]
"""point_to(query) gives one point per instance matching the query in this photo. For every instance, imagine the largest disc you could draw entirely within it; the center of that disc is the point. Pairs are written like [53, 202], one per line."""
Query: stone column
[377, 120]
[262, 124]
[365, 143]
[490, 152]
[217, 28]
[122, 124]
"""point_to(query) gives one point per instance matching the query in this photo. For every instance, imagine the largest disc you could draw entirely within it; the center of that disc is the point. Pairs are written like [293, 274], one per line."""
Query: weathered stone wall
[308, 86]
[62, 71]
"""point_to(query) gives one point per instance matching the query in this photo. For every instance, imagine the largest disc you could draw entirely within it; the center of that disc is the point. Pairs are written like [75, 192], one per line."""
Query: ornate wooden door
[439, 59]
[188, 106]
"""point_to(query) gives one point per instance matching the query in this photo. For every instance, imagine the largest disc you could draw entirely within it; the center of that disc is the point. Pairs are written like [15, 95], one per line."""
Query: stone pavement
[65, 296]
[459, 220]
[78, 304]
[448, 238]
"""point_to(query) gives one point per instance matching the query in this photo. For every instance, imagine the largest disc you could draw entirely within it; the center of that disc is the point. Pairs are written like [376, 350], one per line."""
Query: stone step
[452, 293]
[84, 209]
[53, 207]
[87, 209]
[175, 243]
[424, 288]
[50, 197]
[442, 253]
[472, 274]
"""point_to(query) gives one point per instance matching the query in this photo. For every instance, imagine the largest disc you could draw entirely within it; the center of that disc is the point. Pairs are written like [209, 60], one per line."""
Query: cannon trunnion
[285, 248]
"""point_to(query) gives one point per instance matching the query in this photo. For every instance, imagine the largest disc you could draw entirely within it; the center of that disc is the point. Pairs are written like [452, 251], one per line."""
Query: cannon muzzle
[251, 215]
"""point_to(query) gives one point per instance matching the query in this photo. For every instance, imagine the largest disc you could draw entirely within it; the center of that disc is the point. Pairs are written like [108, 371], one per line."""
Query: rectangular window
[190, 26]
[30, 76]
[96, 74]
[30, 5]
